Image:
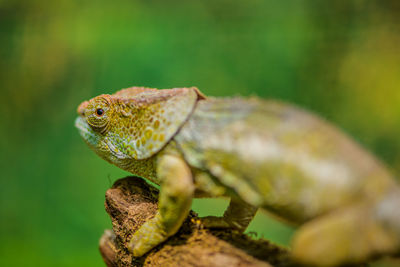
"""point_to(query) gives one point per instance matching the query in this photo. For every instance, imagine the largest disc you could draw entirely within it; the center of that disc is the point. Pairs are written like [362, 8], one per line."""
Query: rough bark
[131, 202]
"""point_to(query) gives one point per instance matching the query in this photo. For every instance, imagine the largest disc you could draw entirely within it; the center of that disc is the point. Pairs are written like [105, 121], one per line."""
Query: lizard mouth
[94, 141]
[86, 132]
[82, 126]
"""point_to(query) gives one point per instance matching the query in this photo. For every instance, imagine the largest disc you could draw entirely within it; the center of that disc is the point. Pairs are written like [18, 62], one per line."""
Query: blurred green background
[340, 59]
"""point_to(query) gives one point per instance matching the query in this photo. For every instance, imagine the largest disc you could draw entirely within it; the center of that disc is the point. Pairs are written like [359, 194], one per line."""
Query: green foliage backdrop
[340, 59]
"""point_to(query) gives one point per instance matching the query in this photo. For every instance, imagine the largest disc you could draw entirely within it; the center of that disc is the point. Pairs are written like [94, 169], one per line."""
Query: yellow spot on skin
[148, 133]
[138, 143]
[156, 124]
[143, 140]
[150, 146]
[155, 136]
[161, 137]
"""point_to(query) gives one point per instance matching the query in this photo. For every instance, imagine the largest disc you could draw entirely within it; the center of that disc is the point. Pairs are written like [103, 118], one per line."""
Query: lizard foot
[147, 237]
[140, 244]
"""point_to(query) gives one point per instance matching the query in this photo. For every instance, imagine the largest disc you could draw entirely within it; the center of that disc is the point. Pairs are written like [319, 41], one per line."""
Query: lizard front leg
[174, 203]
[238, 215]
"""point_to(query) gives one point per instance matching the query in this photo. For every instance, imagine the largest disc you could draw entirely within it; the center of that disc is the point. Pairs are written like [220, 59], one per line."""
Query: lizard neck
[147, 168]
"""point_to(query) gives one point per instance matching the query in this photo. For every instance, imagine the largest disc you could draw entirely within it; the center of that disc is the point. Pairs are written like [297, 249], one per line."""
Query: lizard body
[262, 154]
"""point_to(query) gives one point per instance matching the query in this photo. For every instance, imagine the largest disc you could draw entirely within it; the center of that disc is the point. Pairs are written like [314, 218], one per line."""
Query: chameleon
[262, 154]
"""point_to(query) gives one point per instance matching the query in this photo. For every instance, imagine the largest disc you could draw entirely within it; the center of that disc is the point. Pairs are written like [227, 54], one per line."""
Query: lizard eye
[99, 112]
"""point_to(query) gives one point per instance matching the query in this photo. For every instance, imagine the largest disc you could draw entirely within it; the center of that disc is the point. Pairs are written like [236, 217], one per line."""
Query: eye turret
[98, 113]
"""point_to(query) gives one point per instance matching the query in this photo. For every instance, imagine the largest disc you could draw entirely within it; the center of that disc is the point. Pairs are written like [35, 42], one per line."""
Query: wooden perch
[131, 202]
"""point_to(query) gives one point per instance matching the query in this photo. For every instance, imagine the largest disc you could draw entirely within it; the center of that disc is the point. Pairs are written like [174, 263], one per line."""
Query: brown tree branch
[131, 202]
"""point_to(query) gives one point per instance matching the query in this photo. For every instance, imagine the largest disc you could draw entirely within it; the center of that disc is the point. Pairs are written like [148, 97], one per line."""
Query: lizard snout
[82, 107]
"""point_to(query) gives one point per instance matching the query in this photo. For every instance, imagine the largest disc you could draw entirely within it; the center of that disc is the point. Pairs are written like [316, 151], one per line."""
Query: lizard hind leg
[350, 235]
[238, 215]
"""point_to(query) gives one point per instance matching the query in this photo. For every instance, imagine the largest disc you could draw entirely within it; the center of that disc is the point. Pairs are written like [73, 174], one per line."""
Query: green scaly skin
[262, 154]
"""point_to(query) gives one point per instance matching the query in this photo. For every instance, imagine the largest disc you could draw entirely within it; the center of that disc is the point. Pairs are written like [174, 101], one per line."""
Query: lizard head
[134, 123]
[94, 124]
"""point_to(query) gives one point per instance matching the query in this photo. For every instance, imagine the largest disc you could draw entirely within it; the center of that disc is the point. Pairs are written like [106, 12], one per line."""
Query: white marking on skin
[254, 148]
[387, 210]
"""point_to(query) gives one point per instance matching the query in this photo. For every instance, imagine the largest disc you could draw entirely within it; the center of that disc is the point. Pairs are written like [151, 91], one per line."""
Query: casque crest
[145, 119]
